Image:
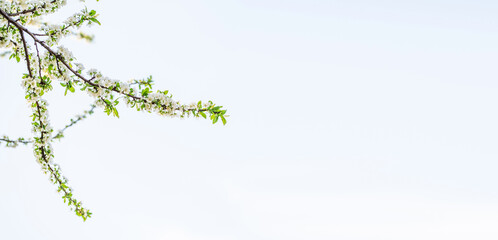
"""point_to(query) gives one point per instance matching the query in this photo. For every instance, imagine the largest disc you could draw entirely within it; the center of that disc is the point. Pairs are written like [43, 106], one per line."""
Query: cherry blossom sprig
[46, 60]
[78, 118]
[13, 143]
[44, 154]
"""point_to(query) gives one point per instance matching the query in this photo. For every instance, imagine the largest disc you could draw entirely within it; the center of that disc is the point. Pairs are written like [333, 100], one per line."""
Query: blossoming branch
[27, 37]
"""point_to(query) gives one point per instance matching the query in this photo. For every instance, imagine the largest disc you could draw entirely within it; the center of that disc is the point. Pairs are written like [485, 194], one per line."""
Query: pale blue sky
[349, 120]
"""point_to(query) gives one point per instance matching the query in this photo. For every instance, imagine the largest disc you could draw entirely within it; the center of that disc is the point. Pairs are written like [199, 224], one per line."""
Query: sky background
[349, 120]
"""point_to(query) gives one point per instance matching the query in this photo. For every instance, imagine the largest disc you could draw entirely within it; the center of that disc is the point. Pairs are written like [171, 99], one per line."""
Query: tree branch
[27, 10]
[60, 133]
[88, 81]
[14, 143]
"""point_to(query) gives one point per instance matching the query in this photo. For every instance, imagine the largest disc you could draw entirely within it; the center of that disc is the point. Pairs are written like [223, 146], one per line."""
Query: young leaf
[95, 21]
[203, 114]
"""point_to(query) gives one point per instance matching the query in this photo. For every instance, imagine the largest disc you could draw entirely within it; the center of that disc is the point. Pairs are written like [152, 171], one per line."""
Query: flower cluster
[56, 32]
[46, 60]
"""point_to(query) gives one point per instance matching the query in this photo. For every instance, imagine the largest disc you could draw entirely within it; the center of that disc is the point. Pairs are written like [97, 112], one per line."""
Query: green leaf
[95, 21]
[215, 119]
[203, 114]
[115, 111]
[92, 13]
[223, 120]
